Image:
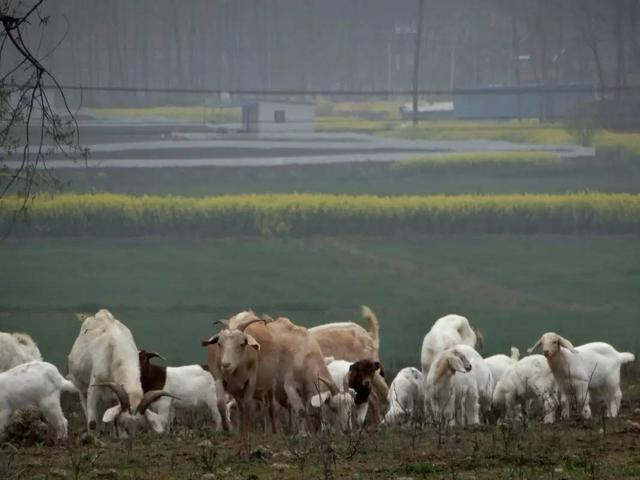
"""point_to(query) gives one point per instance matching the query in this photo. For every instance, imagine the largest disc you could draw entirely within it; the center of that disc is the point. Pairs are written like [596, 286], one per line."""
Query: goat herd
[328, 376]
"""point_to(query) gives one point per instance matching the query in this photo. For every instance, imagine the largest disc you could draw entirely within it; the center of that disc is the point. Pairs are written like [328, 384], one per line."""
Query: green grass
[358, 178]
[169, 290]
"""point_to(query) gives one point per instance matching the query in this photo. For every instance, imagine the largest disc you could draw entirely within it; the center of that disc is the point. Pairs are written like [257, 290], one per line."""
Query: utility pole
[416, 60]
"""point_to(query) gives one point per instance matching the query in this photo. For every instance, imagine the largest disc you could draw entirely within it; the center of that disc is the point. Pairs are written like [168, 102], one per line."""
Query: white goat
[499, 364]
[405, 397]
[590, 372]
[17, 348]
[446, 332]
[191, 386]
[526, 384]
[34, 384]
[105, 355]
[458, 386]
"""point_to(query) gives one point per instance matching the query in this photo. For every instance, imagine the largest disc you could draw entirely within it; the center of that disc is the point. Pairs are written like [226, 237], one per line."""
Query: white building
[278, 116]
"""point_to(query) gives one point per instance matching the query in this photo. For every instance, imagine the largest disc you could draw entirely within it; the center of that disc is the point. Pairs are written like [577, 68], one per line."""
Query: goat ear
[210, 341]
[154, 420]
[456, 364]
[111, 414]
[252, 342]
[536, 345]
[566, 344]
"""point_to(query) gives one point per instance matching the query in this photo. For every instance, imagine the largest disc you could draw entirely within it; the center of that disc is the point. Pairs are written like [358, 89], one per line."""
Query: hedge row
[308, 214]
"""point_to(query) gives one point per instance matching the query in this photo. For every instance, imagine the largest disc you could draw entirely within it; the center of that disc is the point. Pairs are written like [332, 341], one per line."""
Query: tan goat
[258, 357]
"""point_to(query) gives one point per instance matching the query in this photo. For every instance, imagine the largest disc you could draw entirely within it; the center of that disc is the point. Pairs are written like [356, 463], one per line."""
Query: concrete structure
[278, 116]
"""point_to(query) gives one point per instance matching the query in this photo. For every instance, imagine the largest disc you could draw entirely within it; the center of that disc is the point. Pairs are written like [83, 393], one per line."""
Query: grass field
[169, 290]
[360, 178]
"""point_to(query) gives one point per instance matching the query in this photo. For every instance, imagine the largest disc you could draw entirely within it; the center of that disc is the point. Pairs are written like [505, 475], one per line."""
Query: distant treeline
[113, 215]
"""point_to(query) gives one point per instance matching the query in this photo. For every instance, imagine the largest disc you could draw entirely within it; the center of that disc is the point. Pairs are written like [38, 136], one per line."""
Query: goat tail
[515, 353]
[67, 386]
[626, 357]
[373, 327]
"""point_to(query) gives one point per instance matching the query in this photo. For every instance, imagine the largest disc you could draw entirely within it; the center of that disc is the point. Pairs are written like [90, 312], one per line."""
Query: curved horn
[123, 398]
[155, 354]
[332, 388]
[152, 355]
[243, 326]
[149, 397]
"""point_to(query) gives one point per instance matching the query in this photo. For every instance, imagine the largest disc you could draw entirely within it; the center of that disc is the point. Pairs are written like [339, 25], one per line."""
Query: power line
[498, 90]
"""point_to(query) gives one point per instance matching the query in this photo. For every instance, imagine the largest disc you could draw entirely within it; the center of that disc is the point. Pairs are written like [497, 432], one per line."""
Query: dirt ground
[597, 449]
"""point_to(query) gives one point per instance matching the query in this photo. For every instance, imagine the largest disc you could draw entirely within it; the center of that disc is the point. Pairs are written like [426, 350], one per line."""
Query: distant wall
[508, 105]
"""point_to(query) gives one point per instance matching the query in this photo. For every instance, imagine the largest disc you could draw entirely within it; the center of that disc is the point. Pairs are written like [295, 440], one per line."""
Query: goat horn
[331, 386]
[123, 398]
[243, 326]
[155, 354]
[151, 396]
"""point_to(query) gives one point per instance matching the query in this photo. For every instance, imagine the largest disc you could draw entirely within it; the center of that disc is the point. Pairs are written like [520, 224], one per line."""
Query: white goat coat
[446, 332]
[590, 375]
[104, 351]
[526, 384]
[34, 384]
[455, 397]
[405, 397]
[499, 364]
[193, 387]
[17, 348]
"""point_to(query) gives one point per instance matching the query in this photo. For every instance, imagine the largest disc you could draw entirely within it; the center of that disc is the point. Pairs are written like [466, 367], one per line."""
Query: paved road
[147, 144]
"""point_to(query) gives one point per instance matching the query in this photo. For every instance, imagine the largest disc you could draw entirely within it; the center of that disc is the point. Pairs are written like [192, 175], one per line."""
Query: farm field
[169, 290]
[368, 178]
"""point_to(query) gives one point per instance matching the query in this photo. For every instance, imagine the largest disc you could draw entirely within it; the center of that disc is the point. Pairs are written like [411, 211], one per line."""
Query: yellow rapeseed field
[310, 214]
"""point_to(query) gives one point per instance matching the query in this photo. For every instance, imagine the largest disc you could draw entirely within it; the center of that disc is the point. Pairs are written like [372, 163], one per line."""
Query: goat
[34, 384]
[17, 348]
[585, 373]
[357, 379]
[446, 332]
[499, 364]
[528, 382]
[459, 386]
[406, 399]
[105, 355]
[256, 357]
[350, 342]
[190, 386]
